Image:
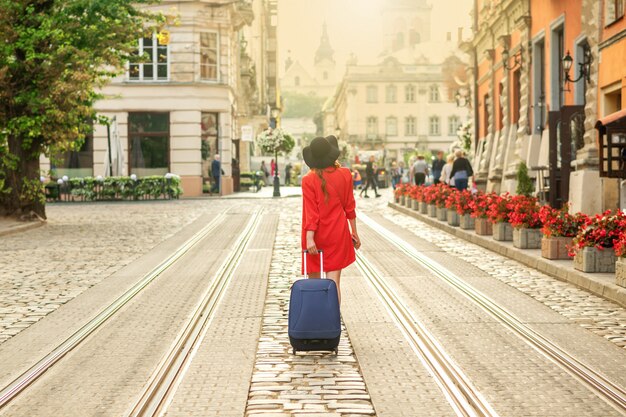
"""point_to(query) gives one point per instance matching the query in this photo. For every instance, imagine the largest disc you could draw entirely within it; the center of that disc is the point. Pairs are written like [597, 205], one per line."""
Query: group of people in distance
[454, 171]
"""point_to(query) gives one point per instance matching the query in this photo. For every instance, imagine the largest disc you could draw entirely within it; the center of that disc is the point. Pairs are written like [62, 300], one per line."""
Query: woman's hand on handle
[310, 243]
[356, 240]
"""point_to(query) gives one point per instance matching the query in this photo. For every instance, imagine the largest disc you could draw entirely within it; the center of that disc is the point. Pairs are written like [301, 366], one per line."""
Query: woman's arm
[310, 242]
[355, 236]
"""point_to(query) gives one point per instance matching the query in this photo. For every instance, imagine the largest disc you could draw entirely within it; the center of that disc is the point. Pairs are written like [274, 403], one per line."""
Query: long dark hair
[320, 174]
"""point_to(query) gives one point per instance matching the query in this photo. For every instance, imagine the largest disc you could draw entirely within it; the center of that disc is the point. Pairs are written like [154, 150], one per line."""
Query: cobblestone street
[88, 255]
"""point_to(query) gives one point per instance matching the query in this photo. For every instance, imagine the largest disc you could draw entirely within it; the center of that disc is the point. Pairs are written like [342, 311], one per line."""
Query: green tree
[302, 105]
[54, 55]
[525, 184]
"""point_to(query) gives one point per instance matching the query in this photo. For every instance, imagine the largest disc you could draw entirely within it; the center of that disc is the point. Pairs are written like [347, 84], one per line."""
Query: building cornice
[612, 40]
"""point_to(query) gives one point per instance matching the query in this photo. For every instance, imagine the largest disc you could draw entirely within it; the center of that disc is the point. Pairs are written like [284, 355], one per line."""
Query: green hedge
[114, 188]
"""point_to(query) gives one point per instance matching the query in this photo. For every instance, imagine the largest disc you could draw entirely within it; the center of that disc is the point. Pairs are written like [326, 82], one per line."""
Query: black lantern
[584, 67]
[517, 59]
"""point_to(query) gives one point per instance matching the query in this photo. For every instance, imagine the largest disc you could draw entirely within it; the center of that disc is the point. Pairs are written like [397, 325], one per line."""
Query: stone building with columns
[190, 97]
[527, 107]
[405, 101]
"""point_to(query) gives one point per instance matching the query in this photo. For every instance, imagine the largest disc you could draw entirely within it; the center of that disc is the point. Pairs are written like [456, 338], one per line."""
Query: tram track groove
[599, 384]
[464, 398]
[23, 381]
[161, 387]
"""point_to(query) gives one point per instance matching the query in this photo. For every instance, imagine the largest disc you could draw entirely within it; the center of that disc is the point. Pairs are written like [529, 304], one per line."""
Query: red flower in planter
[600, 231]
[498, 211]
[523, 212]
[402, 189]
[480, 204]
[560, 223]
[620, 244]
[417, 192]
[460, 201]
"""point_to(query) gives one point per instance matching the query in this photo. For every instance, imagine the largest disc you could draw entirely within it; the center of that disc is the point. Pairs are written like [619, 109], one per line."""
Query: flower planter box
[453, 218]
[503, 232]
[402, 199]
[620, 272]
[432, 210]
[442, 214]
[467, 222]
[595, 260]
[396, 199]
[555, 247]
[423, 208]
[483, 227]
[415, 205]
[524, 238]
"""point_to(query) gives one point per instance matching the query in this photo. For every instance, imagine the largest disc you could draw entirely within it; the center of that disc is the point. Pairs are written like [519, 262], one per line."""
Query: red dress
[329, 219]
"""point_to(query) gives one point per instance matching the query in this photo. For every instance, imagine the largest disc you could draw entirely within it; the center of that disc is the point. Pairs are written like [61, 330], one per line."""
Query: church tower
[324, 63]
[406, 23]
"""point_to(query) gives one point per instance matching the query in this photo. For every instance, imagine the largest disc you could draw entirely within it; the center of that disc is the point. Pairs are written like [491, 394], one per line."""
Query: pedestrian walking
[420, 170]
[445, 172]
[266, 173]
[216, 173]
[288, 168]
[370, 178]
[356, 178]
[461, 171]
[328, 214]
[396, 175]
[437, 166]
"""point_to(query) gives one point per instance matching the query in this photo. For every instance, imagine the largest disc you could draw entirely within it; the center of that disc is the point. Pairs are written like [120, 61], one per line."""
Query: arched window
[434, 93]
[390, 93]
[372, 126]
[391, 128]
[410, 126]
[434, 126]
[453, 125]
[296, 81]
[409, 93]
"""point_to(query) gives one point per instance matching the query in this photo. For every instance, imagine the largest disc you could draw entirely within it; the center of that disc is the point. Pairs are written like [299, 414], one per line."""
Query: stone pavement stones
[320, 384]
[108, 370]
[9, 226]
[596, 314]
[81, 245]
[513, 377]
[217, 380]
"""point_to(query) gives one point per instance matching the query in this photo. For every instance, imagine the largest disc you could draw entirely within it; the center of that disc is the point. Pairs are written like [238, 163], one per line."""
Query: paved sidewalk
[267, 192]
[601, 284]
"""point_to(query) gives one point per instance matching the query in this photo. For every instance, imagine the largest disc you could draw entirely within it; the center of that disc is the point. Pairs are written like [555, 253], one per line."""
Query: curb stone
[600, 284]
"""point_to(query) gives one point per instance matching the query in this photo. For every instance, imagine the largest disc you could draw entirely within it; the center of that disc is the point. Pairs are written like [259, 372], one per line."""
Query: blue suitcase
[314, 318]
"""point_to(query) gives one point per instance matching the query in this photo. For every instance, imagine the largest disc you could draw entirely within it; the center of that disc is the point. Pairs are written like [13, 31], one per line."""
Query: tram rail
[464, 398]
[159, 391]
[599, 384]
[19, 384]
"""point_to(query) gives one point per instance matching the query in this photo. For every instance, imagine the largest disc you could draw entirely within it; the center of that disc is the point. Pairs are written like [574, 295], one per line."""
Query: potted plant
[442, 193]
[559, 228]
[458, 203]
[430, 196]
[525, 220]
[479, 206]
[593, 248]
[400, 193]
[498, 215]
[417, 195]
[620, 251]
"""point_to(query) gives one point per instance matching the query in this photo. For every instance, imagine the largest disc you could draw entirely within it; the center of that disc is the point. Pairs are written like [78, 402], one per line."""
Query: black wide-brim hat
[321, 153]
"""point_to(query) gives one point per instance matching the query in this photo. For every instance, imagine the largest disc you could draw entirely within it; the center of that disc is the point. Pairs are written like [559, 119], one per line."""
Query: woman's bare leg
[336, 276]
[314, 275]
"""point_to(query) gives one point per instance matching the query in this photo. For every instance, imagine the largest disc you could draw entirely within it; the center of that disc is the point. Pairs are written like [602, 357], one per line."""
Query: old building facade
[530, 106]
[174, 111]
[405, 102]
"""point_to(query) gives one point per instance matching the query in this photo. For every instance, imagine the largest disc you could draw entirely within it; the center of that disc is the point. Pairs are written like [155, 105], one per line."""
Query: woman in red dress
[327, 210]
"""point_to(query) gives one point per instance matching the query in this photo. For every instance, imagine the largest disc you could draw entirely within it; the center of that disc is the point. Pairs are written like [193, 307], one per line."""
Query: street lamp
[275, 113]
[584, 67]
[517, 59]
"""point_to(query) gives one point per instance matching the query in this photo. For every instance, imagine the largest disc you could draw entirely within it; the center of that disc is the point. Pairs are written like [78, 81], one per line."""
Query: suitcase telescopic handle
[322, 273]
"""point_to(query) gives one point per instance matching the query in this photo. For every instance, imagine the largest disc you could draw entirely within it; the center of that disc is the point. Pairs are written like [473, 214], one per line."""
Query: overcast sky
[353, 26]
